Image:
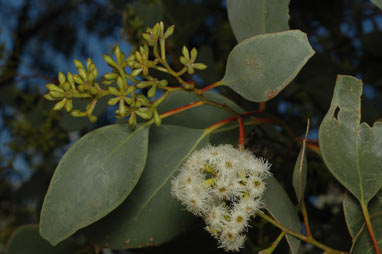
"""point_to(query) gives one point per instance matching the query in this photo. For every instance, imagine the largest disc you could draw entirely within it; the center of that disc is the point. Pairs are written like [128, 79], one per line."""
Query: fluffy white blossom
[224, 186]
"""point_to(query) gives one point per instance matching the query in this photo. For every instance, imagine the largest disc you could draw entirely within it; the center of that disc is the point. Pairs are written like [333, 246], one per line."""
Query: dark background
[39, 38]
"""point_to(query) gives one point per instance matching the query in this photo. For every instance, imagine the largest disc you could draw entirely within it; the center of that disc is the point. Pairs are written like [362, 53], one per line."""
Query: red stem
[221, 123]
[182, 108]
[241, 136]
[209, 87]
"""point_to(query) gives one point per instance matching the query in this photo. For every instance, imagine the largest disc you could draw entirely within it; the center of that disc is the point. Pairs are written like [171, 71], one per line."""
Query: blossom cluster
[224, 186]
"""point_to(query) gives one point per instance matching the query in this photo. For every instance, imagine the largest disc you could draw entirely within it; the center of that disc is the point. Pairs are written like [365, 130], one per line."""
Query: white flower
[216, 217]
[250, 205]
[239, 219]
[224, 186]
[231, 240]
[255, 186]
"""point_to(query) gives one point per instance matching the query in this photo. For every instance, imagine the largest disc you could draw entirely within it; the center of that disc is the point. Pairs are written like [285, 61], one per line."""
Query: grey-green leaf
[150, 215]
[353, 214]
[260, 67]
[26, 239]
[363, 244]
[200, 117]
[377, 3]
[249, 17]
[300, 171]
[94, 177]
[278, 204]
[351, 151]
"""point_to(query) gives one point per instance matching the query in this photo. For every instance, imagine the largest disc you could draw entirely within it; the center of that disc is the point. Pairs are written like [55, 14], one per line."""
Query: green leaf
[150, 215]
[377, 3]
[353, 214]
[351, 151]
[300, 170]
[249, 18]
[363, 244]
[26, 239]
[94, 177]
[258, 68]
[200, 117]
[278, 204]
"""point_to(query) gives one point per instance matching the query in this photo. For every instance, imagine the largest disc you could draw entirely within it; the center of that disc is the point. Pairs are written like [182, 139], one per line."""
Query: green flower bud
[113, 101]
[128, 100]
[56, 94]
[148, 38]
[70, 80]
[111, 75]
[199, 66]
[94, 71]
[93, 90]
[82, 73]
[144, 84]
[78, 64]
[120, 84]
[183, 60]
[136, 72]
[169, 31]
[69, 105]
[119, 55]
[77, 113]
[88, 63]
[59, 105]
[132, 119]
[145, 113]
[122, 108]
[66, 86]
[194, 54]
[110, 61]
[53, 87]
[142, 99]
[157, 118]
[61, 78]
[130, 89]
[161, 27]
[114, 91]
[151, 92]
[186, 53]
[49, 97]
[163, 83]
[91, 77]
[107, 82]
[138, 56]
[77, 79]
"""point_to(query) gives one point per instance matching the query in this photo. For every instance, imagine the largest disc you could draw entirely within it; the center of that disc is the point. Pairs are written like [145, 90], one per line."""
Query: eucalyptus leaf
[353, 215]
[377, 3]
[300, 171]
[278, 204]
[26, 239]
[94, 177]
[260, 67]
[363, 244]
[200, 117]
[249, 18]
[150, 215]
[351, 151]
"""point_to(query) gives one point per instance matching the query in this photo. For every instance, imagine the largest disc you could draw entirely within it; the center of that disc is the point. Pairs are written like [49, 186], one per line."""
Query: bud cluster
[81, 85]
[123, 85]
[224, 186]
